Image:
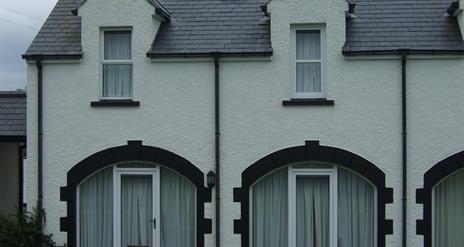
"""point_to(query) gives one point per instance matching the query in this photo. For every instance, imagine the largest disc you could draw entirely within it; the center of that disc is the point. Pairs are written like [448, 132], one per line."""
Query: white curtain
[308, 77]
[96, 210]
[177, 210]
[308, 44]
[308, 74]
[270, 213]
[449, 211]
[355, 210]
[136, 210]
[312, 211]
[117, 45]
[117, 78]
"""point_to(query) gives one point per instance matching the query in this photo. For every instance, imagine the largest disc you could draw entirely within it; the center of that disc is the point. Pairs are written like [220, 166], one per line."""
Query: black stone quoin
[312, 151]
[133, 151]
[432, 177]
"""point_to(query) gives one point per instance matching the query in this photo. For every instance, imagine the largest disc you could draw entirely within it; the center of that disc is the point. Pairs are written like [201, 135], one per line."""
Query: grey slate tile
[204, 26]
[395, 24]
[12, 113]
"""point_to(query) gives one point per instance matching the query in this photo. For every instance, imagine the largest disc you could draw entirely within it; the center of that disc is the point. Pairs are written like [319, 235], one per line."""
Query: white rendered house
[289, 123]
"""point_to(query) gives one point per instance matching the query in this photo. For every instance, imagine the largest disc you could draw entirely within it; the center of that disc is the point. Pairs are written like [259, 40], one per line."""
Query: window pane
[136, 210]
[355, 210]
[136, 165]
[117, 45]
[96, 210]
[117, 80]
[270, 213]
[177, 210]
[308, 44]
[308, 77]
[312, 211]
[449, 211]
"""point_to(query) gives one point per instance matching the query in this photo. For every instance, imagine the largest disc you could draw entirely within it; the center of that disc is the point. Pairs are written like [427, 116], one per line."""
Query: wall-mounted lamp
[210, 179]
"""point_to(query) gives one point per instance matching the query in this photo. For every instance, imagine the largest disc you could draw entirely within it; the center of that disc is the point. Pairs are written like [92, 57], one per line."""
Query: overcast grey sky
[20, 20]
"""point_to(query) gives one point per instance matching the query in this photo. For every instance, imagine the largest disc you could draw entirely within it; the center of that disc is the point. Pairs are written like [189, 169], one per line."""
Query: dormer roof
[387, 26]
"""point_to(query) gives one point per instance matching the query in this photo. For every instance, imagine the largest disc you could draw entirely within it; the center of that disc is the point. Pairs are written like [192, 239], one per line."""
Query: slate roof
[210, 26]
[12, 113]
[202, 27]
[60, 35]
[388, 25]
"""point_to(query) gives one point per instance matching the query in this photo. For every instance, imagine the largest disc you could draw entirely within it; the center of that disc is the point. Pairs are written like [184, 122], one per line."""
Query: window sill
[301, 102]
[114, 102]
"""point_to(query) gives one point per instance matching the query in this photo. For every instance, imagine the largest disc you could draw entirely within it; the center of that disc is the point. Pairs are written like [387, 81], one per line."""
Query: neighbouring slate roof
[202, 27]
[12, 113]
[419, 25]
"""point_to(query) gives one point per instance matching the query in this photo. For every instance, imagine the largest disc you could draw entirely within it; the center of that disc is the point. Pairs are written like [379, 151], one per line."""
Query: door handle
[154, 223]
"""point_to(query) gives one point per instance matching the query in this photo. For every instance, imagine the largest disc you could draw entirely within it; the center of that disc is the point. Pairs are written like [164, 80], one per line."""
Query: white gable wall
[436, 123]
[177, 109]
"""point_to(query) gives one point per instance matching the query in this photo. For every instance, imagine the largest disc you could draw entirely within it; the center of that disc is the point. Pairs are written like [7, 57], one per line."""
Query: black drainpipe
[39, 144]
[21, 148]
[404, 54]
[217, 134]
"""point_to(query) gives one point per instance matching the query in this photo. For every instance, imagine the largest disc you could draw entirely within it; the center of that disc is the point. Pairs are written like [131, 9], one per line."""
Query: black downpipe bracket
[217, 134]
[404, 147]
[40, 143]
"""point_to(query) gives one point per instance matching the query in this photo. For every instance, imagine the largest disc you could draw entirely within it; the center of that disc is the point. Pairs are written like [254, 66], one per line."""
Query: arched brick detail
[133, 151]
[432, 177]
[312, 151]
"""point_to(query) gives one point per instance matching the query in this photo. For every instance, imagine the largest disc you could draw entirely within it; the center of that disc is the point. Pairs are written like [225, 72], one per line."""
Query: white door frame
[333, 188]
[117, 174]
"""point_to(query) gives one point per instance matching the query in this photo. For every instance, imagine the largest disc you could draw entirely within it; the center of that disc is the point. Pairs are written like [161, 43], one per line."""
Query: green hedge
[23, 230]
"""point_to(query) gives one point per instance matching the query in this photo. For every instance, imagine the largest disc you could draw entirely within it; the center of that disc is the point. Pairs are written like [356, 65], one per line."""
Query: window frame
[332, 173]
[118, 172]
[307, 172]
[117, 175]
[133, 151]
[312, 151]
[115, 62]
[309, 95]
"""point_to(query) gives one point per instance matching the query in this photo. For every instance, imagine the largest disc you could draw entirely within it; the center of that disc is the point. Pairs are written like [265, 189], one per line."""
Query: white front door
[136, 207]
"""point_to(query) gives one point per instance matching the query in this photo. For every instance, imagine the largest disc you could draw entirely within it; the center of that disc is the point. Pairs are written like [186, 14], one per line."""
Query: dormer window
[117, 64]
[308, 62]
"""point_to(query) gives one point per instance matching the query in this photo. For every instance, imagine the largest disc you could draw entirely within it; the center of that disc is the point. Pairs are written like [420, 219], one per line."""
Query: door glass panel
[137, 211]
[312, 211]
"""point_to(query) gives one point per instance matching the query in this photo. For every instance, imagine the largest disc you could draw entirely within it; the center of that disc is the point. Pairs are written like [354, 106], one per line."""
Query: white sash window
[308, 49]
[117, 64]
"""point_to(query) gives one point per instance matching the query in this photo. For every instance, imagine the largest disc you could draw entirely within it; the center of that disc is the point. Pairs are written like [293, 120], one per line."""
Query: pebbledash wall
[176, 110]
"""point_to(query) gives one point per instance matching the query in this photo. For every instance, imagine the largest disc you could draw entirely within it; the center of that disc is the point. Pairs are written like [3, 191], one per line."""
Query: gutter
[40, 57]
[40, 143]
[208, 54]
[401, 51]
